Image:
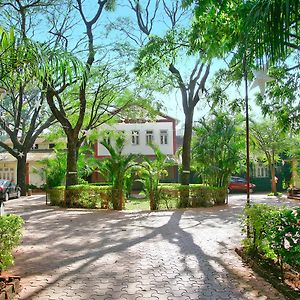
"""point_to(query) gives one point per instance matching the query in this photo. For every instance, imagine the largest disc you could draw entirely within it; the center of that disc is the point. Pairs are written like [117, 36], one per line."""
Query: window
[149, 137]
[51, 146]
[135, 137]
[164, 137]
[35, 146]
[262, 171]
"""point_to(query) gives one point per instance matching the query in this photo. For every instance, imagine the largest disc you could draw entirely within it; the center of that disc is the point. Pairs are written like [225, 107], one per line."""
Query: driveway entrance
[86, 254]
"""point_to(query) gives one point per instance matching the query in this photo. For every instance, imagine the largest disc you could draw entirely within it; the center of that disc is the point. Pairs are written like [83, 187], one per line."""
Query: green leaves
[263, 28]
[10, 237]
[151, 172]
[116, 168]
[217, 148]
[274, 232]
[160, 52]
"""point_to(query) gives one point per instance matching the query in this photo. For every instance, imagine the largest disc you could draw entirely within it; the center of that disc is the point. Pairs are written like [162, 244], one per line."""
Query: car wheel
[18, 194]
[6, 197]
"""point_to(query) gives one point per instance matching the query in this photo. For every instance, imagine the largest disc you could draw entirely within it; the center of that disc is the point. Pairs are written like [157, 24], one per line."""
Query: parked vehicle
[9, 190]
[240, 184]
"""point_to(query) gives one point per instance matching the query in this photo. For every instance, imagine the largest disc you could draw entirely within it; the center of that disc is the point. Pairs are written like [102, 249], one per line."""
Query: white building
[41, 150]
[139, 134]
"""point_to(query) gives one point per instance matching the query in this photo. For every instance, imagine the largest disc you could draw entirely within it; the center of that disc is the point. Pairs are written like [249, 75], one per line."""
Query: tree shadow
[121, 248]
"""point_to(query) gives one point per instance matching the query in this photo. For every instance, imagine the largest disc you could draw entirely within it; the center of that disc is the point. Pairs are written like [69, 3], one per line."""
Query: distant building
[295, 180]
[139, 134]
[42, 149]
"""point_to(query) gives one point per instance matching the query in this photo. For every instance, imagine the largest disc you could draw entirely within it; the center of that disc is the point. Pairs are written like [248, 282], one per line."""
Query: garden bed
[81, 196]
[271, 272]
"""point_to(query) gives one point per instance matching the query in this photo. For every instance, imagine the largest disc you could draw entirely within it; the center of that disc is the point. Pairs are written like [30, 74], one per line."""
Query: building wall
[35, 173]
[8, 170]
[142, 147]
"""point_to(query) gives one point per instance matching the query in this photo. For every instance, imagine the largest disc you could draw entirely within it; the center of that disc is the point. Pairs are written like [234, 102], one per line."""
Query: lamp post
[247, 130]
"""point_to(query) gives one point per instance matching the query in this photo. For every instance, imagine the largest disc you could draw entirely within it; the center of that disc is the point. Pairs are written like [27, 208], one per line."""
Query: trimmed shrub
[274, 233]
[56, 196]
[10, 237]
[81, 196]
[198, 195]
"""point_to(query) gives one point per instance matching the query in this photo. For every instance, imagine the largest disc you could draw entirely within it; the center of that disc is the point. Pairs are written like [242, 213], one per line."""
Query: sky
[172, 101]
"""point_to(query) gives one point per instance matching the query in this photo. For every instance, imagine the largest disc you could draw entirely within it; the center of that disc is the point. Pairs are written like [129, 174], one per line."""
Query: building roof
[39, 140]
[31, 156]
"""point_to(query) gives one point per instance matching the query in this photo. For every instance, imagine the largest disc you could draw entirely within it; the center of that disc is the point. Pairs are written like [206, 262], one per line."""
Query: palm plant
[151, 172]
[116, 168]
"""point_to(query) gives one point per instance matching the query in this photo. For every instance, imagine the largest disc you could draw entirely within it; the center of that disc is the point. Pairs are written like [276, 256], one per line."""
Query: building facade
[42, 149]
[139, 135]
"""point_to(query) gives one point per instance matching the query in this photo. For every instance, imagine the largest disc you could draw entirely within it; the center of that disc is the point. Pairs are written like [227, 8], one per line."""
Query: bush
[198, 195]
[10, 237]
[274, 233]
[56, 196]
[81, 196]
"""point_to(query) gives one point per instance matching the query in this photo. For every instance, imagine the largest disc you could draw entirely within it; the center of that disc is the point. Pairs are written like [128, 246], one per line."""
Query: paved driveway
[86, 254]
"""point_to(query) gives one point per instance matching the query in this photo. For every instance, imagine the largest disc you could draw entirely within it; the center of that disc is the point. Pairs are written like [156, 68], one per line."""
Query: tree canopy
[266, 29]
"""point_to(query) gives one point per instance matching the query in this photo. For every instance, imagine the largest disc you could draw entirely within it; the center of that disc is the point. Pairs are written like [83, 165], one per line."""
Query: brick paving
[85, 254]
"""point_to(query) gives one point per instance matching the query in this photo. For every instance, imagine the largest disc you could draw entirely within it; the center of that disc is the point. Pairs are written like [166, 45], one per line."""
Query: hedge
[81, 196]
[198, 195]
[274, 232]
[10, 237]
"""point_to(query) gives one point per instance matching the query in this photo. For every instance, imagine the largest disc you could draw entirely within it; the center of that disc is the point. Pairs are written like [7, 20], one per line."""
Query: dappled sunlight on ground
[98, 254]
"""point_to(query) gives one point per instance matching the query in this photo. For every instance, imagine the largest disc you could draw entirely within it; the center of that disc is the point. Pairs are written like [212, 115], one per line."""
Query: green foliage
[199, 195]
[10, 237]
[217, 147]
[150, 173]
[266, 27]
[282, 97]
[269, 141]
[158, 54]
[54, 169]
[116, 168]
[274, 232]
[81, 196]
[286, 241]
[261, 218]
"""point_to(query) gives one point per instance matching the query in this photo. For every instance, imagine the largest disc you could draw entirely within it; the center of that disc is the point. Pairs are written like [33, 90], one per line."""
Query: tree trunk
[186, 149]
[71, 175]
[152, 201]
[274, 181]
[186, 158]
[21, 174]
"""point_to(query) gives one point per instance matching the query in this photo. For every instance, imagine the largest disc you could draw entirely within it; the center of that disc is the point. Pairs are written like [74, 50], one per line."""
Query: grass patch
[275, 194]
[144, 204]
[137, 204]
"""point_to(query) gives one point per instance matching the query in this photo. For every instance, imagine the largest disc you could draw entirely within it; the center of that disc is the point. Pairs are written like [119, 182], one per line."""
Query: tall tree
[255, 32]
[22, 113]
[217, 147]
[162, 56]
[271, 141]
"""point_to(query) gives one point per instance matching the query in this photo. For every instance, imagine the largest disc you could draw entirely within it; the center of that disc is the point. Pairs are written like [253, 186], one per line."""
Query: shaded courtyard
[182, 254]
